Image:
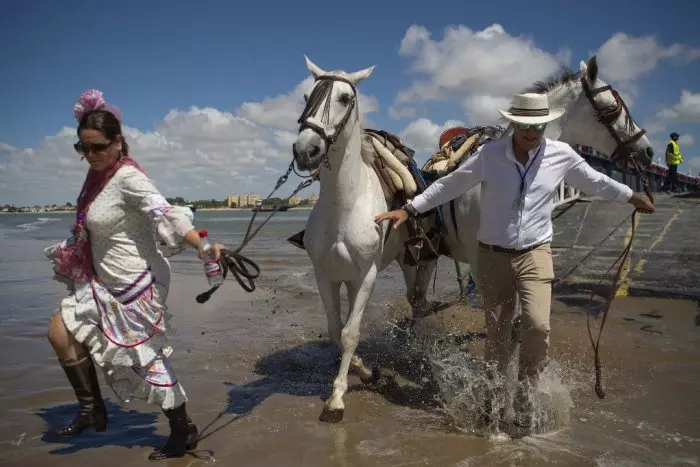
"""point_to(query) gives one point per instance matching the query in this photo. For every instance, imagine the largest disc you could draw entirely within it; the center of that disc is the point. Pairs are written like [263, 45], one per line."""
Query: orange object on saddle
[449, 134]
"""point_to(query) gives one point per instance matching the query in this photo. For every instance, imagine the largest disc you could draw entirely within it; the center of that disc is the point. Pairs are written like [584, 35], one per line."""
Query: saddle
[393, 162]
[456, 145]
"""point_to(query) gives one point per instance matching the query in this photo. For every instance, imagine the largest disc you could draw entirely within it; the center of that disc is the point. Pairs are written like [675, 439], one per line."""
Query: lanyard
[520, 202]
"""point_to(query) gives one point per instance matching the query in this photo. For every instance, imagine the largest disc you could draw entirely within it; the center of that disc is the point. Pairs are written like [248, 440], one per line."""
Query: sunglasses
[81, 147]
[539, 127]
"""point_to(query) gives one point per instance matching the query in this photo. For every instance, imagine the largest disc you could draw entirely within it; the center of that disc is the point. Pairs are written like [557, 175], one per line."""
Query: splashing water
[464, 383]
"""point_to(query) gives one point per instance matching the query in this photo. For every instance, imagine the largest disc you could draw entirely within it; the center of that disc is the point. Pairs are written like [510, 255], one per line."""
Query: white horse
[343, 242]
[341, 238]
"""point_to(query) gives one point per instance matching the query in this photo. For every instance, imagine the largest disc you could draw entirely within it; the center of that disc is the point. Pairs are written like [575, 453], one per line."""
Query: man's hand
[399, 216]
[642, 203]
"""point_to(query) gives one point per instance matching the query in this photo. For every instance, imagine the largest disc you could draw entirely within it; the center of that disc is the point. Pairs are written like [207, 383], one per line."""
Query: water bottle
[212, 269]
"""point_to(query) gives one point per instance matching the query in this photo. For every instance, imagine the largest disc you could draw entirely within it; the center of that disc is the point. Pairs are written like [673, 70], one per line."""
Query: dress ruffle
[140, 371]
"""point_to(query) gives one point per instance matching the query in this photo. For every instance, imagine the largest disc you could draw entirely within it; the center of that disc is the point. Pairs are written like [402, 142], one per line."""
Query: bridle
[625, 158]
[323, 92]
[623, 155]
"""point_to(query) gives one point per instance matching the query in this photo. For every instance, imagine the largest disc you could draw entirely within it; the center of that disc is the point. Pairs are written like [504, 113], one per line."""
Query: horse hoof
[331, 415]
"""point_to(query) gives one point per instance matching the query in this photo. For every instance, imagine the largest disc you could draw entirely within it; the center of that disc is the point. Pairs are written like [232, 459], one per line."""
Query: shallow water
[257, 368]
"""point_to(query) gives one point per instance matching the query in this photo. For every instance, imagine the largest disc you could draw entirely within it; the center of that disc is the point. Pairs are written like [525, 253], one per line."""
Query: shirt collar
[510, 154]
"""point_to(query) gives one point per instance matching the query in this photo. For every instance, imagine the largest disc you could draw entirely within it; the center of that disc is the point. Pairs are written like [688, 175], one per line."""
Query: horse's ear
[358, 76]
[315, 70]
[590, 70]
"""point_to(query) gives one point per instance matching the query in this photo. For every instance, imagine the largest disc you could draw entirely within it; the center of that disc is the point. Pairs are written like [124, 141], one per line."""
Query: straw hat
[531, 108]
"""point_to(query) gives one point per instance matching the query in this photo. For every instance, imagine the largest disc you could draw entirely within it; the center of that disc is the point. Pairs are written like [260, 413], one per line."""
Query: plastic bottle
[212, 269]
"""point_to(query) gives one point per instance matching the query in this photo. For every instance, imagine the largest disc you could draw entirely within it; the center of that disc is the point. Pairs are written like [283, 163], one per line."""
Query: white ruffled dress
[122, 318]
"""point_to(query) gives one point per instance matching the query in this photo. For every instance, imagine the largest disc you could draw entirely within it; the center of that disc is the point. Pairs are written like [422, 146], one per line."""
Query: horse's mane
[564, 76]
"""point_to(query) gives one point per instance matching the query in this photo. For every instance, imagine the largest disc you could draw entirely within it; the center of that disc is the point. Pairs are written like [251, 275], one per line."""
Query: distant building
[295, 200]
[242, 201]
[312, 199]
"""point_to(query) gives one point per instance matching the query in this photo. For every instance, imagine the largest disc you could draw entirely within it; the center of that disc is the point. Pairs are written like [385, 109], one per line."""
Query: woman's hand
[216, 248]
[399, 216]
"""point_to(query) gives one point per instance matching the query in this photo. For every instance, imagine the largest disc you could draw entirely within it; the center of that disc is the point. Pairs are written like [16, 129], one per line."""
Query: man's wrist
[409, 209]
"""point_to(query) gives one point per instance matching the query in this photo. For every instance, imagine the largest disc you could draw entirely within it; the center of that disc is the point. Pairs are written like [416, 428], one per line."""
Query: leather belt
[500, 249]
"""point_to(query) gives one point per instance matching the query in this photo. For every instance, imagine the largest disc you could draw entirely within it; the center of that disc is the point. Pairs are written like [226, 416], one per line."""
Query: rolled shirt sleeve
[582, 176]
[444, 189]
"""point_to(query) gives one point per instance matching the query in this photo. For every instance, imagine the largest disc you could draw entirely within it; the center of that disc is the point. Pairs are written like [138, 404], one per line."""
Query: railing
[565, 194]
[656, 173]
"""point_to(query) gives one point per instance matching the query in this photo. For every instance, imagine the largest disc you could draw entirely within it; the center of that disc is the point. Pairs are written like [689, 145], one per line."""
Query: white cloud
[423, 135]
[479, 69]
[401, 112]
[199, 153]
[686, 140]
[626, 58]
[485, 107]
[687, 110]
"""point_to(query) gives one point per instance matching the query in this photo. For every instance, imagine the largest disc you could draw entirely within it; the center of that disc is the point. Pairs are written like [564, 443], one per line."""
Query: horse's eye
[345, 99]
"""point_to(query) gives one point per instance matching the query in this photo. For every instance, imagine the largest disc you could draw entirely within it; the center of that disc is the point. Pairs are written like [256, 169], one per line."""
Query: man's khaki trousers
[500, 275]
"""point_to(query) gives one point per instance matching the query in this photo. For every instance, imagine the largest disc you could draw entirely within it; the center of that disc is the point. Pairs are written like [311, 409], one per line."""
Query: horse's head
[331, 111]
[599, 118]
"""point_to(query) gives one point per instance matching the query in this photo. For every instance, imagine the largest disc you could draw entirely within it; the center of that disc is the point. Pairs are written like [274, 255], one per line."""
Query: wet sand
[258, 367]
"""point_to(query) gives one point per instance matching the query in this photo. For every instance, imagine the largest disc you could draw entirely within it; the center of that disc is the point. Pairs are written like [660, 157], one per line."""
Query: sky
[210, 91]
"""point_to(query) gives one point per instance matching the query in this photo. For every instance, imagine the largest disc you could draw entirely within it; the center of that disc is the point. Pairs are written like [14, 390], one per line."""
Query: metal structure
[656, 173]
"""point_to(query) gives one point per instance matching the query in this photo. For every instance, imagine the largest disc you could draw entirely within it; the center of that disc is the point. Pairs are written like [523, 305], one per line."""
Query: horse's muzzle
[307, 159]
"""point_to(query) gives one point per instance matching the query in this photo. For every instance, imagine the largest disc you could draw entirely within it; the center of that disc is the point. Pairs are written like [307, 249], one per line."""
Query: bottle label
[211, 268]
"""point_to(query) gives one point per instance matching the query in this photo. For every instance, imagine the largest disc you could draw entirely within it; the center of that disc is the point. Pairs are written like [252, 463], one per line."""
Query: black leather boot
[184, 435]
[92, 411]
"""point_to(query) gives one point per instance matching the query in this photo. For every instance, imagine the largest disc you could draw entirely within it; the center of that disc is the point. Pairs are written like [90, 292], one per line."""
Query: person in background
[673, 159]
[115, 315]
[518, 178]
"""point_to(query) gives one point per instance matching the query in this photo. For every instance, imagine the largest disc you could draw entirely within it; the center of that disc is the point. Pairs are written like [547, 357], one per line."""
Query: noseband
[623, 155]
[323, 91]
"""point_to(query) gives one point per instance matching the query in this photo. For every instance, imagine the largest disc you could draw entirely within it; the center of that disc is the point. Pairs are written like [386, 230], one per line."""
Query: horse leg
[349, 339]
[330, 297]
[367, 376]
[417, 280]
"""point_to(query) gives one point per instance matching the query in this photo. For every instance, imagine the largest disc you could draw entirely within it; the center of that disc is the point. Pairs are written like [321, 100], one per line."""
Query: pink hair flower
[90, 100]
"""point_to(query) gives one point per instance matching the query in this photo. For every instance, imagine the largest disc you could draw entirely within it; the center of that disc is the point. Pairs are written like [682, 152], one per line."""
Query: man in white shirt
[518, 177]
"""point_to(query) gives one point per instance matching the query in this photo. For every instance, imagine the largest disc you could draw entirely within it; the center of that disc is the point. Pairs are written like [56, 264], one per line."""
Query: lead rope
[234, 261]
[613, 288]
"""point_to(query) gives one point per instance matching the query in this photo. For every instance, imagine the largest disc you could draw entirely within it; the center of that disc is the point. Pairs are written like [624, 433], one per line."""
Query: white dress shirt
[506, 222]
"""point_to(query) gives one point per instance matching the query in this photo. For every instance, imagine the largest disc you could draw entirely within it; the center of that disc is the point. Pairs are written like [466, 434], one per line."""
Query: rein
[624, 157]
[237, 263]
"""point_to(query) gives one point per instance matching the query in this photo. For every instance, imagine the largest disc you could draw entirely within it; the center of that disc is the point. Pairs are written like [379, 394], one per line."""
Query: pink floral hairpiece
[93, 99]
